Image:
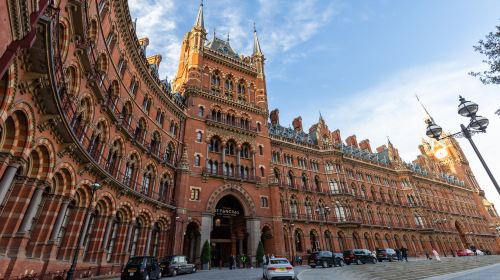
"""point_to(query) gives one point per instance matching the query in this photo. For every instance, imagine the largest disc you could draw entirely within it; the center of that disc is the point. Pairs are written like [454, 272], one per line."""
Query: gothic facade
[199, 159]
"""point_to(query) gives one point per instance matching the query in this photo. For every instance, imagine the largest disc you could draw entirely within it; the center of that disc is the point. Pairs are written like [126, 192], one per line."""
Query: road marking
[307, 269]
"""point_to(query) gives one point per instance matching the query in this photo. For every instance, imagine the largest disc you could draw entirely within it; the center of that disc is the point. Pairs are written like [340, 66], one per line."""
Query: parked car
[480, 253]
[142, 268]
[359, 256]
[278, 268]
[173, 265]
[323, 258]
[339, 259]
[387, 254]
[464, 253]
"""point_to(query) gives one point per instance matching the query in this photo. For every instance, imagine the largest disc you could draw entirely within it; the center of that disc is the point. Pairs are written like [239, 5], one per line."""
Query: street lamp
[477, 124]
[93, 188]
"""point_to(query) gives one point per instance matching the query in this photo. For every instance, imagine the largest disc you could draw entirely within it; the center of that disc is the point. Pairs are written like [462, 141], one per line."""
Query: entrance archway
[461, 233]
[266, 237]
[229, 234]
[192, 242]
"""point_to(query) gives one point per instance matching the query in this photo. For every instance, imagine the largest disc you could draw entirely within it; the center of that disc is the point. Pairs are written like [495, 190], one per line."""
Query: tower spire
[199, 22]
[427, 117]
[256, 43]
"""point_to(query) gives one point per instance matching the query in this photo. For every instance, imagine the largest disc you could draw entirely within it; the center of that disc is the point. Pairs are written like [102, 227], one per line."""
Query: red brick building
[192, 160]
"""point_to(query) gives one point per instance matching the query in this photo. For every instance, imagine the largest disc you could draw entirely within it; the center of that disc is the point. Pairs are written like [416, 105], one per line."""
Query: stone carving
[275, 117]
[297, 123]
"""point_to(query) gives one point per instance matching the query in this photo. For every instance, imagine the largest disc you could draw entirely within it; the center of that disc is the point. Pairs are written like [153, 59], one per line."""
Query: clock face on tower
[441, 153]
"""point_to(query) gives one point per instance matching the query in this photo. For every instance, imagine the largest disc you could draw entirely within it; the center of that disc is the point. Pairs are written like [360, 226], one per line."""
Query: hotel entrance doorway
[229, 234]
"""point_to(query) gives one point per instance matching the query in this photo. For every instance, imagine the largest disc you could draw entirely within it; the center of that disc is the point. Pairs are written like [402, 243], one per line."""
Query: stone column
[253, 228]
[148, 241]
[85, 227]
[206, 228]
[238, 160]
[107, 233]
[59, 221]
[253, 164]
[6, 180]
[31, 211]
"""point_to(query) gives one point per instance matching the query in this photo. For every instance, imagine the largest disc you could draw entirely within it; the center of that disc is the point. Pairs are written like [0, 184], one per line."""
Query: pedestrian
[452, 252]
[264, 260]
[231, 261]
[436, 255]
[404, 254]
[398, 254]
[427, 256]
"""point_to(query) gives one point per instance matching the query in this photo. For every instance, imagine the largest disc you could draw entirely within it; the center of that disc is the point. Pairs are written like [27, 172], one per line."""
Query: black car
[387, 254]
[143, 268]
[323, 258]
[173, 265]
[359, 256]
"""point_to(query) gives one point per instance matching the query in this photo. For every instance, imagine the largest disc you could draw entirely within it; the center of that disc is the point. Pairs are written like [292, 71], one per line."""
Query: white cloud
[390, 109]
[286, 24]
[157, 20]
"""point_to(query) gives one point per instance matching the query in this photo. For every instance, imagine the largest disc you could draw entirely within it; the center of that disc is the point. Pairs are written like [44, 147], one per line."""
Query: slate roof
[222, 47]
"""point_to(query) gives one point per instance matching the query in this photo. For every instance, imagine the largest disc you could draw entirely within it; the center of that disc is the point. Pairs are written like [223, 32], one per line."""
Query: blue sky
[358, 62]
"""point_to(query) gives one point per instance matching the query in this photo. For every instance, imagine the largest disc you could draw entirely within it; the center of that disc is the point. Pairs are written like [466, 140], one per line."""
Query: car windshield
[135, 261]
[279, 262]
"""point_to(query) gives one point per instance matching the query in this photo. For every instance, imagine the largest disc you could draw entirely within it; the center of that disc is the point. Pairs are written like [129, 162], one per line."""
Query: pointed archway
[461, 233]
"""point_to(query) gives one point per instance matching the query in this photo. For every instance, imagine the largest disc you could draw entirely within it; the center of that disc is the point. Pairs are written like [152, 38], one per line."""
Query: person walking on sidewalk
[398, 254]
[436, 255]
[404, 254]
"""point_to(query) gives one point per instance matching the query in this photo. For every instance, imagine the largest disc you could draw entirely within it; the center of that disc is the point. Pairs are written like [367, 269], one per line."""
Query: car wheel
[390, 259]
[313, 266]
[147, 277]
[174, 272]
[342, 263]
[374, 260]
[358, 261]
[324, 264]
[193, 270]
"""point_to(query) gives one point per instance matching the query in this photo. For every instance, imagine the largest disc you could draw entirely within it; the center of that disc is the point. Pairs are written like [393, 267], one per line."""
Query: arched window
[289, 179]
[245, 151]
[293, 208]
[230, 148]
[340, 213]
[154, 238]
[112, 238]
[155, 143]
[169, 153]
[215, 83]
[201, 111]
[140, 130]
[130, 171]
[262, 171]
[147, 179]
[113, 158]
[214, 145]
[308, 208]
[334, 186]
[304, 181]
[241, 89]
[164, 185]
[317, 183]
[199, 136]
[298, 241]
[228, 88]
[197, 160]
[135, 237]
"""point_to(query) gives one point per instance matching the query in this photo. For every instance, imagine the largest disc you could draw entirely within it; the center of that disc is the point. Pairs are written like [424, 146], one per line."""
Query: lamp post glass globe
[433, 131]
[467, 108]
[479, 123]
[95, 186]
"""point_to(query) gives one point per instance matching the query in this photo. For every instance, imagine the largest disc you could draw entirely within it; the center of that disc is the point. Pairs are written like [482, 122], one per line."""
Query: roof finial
[214, 33]
[256, 43]
[228, 37]
[199, 22]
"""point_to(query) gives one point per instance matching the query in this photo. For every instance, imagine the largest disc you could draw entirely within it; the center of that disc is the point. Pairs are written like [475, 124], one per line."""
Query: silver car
[278, 268]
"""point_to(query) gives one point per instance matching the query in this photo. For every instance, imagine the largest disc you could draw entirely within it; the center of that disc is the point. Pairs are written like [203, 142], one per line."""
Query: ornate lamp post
[477, 124]
[94, 187]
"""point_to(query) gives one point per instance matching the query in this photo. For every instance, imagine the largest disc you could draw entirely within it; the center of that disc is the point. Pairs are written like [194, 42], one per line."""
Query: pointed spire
[199, 22]
[321, 120]
[427, 116]
[256, 43]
